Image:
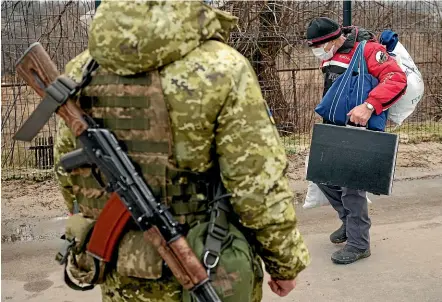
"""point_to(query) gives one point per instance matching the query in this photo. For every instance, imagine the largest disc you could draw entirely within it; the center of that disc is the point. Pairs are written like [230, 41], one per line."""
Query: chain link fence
[271, 34]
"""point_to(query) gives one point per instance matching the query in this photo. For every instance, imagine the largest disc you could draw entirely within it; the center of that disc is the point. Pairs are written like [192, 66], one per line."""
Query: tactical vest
[134, 109]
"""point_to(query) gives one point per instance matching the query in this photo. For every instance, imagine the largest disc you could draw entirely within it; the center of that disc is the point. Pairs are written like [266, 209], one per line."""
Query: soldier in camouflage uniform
[217, 117]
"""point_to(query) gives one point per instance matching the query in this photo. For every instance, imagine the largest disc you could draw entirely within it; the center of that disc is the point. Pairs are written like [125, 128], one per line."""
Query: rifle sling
[218, 230]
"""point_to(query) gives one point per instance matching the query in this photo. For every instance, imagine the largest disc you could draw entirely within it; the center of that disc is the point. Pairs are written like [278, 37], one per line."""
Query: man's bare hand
[360, 115]
[282, 287]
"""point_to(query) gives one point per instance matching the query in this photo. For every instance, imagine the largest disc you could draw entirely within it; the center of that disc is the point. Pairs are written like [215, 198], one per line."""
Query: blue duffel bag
[350, 90]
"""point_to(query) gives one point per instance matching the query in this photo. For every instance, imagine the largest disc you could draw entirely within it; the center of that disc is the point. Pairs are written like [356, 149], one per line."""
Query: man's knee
[353, 192]
[328, 187]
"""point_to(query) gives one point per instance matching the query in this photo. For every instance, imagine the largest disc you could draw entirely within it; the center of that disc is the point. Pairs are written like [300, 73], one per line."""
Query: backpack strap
[352, 67]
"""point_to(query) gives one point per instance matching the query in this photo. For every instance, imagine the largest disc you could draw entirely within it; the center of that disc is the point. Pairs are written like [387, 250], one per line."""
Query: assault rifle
[100, 148]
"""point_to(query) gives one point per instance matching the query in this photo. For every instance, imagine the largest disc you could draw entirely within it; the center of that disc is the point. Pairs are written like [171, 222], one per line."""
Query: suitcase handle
[361, 127]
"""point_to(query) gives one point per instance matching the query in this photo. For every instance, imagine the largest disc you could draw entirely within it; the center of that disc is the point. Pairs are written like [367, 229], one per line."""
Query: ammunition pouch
[82, 270]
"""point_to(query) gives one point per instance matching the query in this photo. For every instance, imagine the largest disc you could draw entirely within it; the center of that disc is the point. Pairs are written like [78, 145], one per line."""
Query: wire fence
[271, 34]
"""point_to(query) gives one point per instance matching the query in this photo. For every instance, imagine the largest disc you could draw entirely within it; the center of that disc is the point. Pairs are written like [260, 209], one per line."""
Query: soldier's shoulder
[210, 71]
[224, 53]
[214, 46]
[217, 56]
[74, 68]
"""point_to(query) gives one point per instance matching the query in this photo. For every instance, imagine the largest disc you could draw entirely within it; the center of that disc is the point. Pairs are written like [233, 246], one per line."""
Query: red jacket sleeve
[392, 80]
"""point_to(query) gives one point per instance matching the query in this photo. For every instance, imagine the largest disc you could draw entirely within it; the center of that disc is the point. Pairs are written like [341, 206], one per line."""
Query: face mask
[320, 53]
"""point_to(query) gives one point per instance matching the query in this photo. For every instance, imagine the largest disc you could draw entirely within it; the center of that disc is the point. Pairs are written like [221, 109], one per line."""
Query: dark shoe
[349, 254]
[340, 235]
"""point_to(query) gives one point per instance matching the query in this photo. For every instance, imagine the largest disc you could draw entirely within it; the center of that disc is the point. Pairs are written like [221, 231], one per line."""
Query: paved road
[406, 261]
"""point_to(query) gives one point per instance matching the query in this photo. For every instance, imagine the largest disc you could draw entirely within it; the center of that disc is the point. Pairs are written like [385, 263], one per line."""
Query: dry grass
[413, 133]
[409, 133]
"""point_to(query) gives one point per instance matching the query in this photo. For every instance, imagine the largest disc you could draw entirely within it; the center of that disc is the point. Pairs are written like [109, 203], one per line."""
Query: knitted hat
[322, 30]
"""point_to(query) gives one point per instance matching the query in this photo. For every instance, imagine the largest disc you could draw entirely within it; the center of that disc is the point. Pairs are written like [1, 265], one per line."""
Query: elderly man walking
[335, 46]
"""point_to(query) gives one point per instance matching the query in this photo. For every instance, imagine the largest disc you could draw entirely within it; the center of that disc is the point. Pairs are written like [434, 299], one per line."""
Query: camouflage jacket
[213, 97]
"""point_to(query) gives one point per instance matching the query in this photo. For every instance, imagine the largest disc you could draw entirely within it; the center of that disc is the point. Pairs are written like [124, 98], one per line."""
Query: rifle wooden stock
[73, 116]
[38, 70]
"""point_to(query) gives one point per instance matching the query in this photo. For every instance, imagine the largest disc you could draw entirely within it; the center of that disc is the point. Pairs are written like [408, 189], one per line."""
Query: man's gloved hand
[360, 115]
[282, 287]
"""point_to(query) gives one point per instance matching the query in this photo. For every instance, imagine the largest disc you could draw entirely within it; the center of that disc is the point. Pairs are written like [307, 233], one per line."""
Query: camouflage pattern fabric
[138, 258]
[123, 289]
[213, 98]
[122, 33]
[118, 288]
[64, 143]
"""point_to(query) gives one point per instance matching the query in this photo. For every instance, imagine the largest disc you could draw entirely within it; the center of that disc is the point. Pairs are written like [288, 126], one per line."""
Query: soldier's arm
[253, 166]
[64, 143]
[65, 140]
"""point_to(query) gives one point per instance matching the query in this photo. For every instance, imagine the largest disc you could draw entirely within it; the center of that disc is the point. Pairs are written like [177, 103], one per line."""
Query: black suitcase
[353, 157]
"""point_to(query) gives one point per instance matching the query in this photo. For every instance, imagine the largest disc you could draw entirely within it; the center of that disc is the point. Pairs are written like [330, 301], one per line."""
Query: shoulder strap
[363, 71]
[218, 228]
[345, 77]
[357, 62]
[88, 69]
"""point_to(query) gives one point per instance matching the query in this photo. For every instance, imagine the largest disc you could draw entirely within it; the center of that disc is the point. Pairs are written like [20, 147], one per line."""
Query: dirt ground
[29, 199]
[27, 203]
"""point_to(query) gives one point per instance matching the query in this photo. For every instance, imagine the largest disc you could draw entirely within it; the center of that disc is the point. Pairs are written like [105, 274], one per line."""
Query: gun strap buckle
[63, 254]
[60, 90]
[218, 231]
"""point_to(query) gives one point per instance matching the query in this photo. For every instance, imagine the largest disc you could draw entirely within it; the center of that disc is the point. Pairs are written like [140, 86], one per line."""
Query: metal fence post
[347, 12]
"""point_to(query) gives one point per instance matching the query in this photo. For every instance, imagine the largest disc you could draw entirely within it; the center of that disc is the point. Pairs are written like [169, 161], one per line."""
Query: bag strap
[346, 76]
[218, 229]
[361, 69]
[358, 58]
